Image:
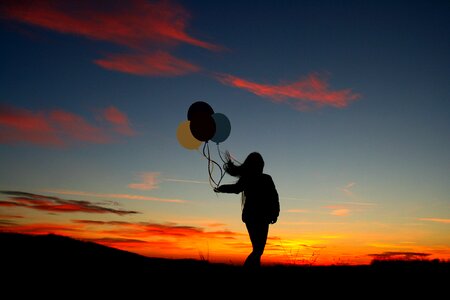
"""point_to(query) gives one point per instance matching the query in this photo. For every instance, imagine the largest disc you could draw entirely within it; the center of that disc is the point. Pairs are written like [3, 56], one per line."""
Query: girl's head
[252, 165]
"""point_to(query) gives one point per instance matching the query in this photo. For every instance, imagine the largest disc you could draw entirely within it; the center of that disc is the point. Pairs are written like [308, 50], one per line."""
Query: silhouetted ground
[47, 265]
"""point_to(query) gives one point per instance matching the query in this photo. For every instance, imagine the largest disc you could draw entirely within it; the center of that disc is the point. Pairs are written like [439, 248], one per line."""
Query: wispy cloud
[149, 181]
[74, 127]
[55, 204]
[17, 125]
[437, 220]
[357, 203]
[148, 64]
[96, 222]
[185, 180]
[115, 241]
[338, 210]
[148, 30]
[118, 120]
[296, 210]
[2, 216]
[115, 196]
[148, 229]
[309, 92]
[347, 189]
[394, 255]
[58, 127]
[42, 228]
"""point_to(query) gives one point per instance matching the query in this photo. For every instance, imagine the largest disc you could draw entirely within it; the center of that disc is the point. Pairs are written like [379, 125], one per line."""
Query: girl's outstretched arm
[229, 188]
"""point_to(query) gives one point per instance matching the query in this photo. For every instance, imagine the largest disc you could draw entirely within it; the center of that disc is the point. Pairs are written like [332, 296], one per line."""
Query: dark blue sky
[334, 94]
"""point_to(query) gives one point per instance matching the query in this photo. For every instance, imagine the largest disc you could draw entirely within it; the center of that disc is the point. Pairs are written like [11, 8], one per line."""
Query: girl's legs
[258, 236]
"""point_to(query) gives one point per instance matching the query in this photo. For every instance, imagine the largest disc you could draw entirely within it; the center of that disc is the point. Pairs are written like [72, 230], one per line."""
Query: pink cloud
[119, 120]
[149, 181]
[18, 125]
[57, 127]
[341, 212]
[139, 25]
[77, 128]
[311, 91]
[338, 210]
[437, 220]
[149, 64]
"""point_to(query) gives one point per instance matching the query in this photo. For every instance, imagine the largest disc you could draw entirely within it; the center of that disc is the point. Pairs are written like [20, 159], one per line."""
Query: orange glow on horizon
[179, 242]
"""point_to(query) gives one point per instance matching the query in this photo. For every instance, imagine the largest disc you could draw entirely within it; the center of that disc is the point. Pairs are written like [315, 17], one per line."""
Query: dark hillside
[52, 260]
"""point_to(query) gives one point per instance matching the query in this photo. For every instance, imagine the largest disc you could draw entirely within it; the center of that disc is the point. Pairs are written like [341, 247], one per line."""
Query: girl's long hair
[253, 164]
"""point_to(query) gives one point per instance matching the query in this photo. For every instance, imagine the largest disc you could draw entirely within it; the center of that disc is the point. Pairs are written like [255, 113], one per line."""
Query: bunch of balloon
[204, 125]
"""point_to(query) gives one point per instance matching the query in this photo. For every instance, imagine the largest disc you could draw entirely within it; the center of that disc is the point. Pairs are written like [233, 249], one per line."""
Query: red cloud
[309, 91]
[62, 229]
[77, 128]
[57, 127]
[146, 229]
[55, 204]
[17, 125]
[134, 23]
[151, 64]
[140, 25]
[119, 120]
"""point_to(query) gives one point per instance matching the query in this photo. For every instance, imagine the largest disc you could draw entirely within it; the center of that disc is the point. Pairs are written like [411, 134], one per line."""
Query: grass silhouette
[63, 261]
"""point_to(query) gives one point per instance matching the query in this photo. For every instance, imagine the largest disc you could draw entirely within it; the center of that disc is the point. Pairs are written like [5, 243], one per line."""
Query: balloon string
[220, 154]
[210, 167]
[222, 173]
[211, 163]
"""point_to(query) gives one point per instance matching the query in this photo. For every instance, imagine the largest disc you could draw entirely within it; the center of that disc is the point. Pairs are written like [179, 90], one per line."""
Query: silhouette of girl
[260, 203]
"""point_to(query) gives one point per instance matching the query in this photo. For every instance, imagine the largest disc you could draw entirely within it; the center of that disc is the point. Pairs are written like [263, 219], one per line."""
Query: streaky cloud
[119, 120]
[148, 30]
[436, 220]
[56, 204]
[115, 196]
[311, 91]
[394, 255]
[185, 181]
[57, 127]
[147, 64]
[149, 181]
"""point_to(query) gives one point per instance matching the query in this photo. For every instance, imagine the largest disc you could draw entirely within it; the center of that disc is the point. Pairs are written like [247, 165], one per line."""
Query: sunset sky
[347, 101]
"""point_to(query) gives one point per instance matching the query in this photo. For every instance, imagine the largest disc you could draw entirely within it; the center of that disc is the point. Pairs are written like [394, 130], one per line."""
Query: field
[51, 263]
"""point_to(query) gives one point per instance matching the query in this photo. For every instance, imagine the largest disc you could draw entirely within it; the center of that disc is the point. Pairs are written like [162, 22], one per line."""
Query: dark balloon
[199, 108]
[203, 127]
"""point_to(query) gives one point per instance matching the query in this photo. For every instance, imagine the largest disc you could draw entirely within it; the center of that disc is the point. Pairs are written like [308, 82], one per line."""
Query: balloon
[203, 127]
[185, 137]
[199, 108]
[223, 127]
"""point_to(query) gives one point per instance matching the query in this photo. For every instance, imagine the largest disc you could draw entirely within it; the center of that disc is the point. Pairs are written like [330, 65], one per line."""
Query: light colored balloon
[223, 127]
[185, 137]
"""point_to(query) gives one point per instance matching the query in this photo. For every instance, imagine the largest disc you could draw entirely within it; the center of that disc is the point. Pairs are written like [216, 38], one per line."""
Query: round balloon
[199, 108]
[203, 127]
[185, 137]
[223, 127]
